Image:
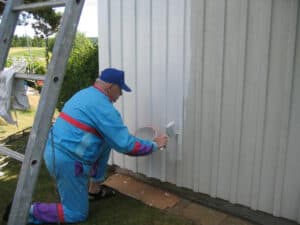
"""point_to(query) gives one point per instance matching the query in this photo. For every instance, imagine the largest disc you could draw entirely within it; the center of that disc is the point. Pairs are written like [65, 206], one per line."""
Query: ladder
[32, 158]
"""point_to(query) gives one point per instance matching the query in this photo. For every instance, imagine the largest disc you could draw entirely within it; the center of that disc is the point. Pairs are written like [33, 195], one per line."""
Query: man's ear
[109, 86]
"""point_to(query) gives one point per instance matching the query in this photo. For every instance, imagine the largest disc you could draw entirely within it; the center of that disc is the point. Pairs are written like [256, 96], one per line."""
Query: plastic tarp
[12, 93]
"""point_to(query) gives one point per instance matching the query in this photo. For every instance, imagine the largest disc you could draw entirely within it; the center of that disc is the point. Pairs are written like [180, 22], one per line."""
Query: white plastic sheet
[12, 93]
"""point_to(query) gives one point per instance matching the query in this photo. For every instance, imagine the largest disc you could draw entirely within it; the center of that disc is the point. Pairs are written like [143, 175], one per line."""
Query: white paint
[227, 74]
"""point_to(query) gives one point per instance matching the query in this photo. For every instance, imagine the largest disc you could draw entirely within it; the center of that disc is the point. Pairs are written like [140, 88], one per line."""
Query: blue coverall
[78, 147]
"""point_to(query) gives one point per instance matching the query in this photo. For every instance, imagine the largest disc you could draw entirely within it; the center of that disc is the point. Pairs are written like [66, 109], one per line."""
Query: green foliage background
[82, 68]
[33, 56]
[26, 41]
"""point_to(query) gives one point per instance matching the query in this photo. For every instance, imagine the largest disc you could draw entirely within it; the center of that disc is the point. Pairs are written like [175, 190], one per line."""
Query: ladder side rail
[42, 122]
[7, 28]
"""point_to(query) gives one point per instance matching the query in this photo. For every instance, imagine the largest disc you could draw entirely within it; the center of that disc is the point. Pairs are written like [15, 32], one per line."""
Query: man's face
[114, 92]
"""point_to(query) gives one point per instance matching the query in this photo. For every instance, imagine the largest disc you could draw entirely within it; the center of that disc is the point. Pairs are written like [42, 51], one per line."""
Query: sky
[88, 23]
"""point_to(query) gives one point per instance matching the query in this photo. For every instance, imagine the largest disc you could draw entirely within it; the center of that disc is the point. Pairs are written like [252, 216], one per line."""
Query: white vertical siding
[194, 90]
[116, 52]
[256, 75]
[104, 20]
[158, 70]
[232, 105]
[143, 88]
[290, 198]
[129, 62]
[227, 72]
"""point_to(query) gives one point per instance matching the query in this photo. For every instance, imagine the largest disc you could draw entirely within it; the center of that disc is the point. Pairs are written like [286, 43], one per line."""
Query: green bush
[36, 67]
[9, 62]
[26, 41]
[82, 68]
[34, 64]
[51, 42]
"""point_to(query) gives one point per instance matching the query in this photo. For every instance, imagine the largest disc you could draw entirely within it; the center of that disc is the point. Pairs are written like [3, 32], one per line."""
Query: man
[79, 144]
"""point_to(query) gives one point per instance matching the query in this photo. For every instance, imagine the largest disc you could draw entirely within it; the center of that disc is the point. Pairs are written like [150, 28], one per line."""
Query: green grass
[118, 210]
[34, 52]
[24, 119]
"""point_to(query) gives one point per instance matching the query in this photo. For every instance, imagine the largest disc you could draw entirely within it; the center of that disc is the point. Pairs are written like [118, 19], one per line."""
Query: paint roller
[170, 129]
[150, 133]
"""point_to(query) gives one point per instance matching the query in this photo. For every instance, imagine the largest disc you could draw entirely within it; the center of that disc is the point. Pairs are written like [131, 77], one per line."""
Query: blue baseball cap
[114, 76]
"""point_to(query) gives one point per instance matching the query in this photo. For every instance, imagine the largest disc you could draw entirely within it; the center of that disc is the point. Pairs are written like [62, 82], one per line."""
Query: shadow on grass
[118, 210]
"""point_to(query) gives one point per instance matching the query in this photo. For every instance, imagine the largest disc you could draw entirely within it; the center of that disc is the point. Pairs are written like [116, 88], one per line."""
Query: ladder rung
[30, 76]
[40, 5]
[11, 153]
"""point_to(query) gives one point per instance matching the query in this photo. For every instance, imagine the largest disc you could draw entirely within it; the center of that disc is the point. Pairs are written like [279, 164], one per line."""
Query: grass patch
[119, 210]
[27, 52]
[24, 119]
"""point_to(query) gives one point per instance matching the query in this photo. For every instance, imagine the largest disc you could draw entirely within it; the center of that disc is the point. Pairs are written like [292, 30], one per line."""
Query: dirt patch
[149, 195]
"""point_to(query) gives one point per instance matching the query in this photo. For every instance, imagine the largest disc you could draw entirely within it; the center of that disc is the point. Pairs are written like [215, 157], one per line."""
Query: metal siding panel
[104, 40]
[279, 94]
[212, 92]
[234, 123]
[234, 66]
[116, 57]
[158, 68]
[290, 206]
[164, 154]
[221, 12]
[186, 78]
[190, 156]
[174, 78]
[129, 66]
[144, 83]
[259, 148]
[254, 99]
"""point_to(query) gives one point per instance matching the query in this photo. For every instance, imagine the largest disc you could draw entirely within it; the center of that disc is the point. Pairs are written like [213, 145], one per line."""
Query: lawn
[34, 52]
[118, 210]
[24, 119]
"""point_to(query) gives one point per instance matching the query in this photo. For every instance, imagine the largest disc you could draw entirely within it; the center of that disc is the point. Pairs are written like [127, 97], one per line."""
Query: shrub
[51, 42]
[9, 62]
[36, 67]
[82, 68]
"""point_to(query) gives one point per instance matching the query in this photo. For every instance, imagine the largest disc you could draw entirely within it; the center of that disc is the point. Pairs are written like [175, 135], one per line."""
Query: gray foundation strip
[257, 217]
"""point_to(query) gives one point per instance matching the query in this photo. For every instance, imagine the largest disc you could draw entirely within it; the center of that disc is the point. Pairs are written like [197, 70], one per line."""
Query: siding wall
[228, 73]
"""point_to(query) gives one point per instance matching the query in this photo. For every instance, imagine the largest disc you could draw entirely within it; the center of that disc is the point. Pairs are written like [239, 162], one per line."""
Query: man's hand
[161, 141]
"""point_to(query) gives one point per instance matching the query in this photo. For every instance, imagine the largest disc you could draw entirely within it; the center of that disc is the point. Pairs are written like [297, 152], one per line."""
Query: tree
[45, 22]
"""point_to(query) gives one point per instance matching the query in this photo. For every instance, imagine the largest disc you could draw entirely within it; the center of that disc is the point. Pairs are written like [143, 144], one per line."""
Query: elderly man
[78, 148]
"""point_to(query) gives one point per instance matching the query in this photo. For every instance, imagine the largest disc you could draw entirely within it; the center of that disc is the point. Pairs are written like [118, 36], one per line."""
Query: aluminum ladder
[31, 160]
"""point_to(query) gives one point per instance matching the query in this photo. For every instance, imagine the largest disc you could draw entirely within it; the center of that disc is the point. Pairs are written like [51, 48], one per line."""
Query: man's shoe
[105, 192]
